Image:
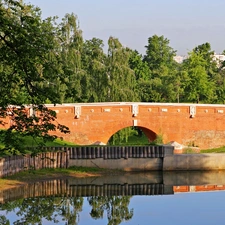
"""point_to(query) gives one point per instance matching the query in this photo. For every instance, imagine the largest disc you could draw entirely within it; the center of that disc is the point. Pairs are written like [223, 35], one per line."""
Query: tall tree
[207, 54]
[28, 59]
[198, 85]
[220, 82]
[159, 54]
[71, 41]
[160, 60]
[122, 82]
[94, 63]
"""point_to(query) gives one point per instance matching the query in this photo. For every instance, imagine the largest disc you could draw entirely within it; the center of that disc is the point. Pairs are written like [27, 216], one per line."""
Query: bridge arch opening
[132, 135]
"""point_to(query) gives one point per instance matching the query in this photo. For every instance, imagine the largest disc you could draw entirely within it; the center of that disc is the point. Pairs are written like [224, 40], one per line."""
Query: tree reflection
[33, 210]
[67, 209]
[3, 220]
[115, 206]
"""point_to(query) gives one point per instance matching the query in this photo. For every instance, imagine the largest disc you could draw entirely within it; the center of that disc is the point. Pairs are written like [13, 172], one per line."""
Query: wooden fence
[14, 164]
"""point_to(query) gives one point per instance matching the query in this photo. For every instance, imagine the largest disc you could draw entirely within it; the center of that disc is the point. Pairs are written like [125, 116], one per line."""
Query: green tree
[3, 220]
[140, 68]
[159, 54]
[160, 60]
[29, 60]
[71, 41]
[207, 54]
[34, 210]
[220, 82]
[122, 82]
[94, 63]
[198, 85]
[115, 206]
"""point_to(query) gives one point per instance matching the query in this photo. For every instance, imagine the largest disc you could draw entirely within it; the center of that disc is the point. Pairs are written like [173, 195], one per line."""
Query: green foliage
[29, 62]
[163, 69]
[28, 50]
[140, 68]
[94, 63]
[129, 136]
[27, 141]
[121, 136]
[71, 42]
[34, 210]
[35, 126]
[159, 54]
[52, 208]
[4, 220]
[158, 140]
[115, 206]
[122, 82]
[198, 86]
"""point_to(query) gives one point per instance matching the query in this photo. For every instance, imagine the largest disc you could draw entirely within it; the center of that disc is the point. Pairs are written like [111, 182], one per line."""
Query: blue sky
[186, 23]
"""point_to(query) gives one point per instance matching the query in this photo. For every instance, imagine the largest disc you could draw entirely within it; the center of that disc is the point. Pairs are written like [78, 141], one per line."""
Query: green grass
[47, 173]
[214, 150]
[29, 141]
[190, 150]
[136, 140]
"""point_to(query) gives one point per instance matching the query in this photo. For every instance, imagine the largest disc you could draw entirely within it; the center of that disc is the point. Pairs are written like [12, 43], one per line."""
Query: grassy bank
[214, 150]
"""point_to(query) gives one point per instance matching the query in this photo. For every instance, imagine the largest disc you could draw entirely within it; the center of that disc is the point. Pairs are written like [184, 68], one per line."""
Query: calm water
[143, 198]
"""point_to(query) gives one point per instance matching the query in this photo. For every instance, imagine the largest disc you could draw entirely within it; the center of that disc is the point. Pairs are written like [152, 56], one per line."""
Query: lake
[134, 198]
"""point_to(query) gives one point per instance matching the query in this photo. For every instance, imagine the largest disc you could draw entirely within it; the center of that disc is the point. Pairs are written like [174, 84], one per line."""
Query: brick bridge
[201, 125]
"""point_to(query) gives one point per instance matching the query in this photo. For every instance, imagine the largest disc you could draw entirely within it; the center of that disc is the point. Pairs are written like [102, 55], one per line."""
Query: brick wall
[196, 125]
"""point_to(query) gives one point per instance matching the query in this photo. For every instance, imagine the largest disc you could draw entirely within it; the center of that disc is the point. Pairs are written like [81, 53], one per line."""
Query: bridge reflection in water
[128, 184]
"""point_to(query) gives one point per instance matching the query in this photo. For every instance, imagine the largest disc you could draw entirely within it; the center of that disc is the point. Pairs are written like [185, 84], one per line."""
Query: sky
[186, 23]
